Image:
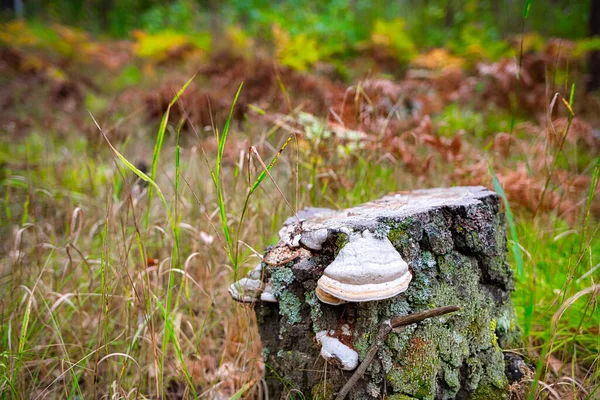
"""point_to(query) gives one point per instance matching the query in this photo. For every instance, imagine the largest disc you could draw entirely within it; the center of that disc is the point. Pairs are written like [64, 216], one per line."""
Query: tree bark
[454, 242]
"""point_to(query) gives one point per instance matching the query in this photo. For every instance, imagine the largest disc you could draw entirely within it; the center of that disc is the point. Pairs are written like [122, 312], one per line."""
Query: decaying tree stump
[451, 251]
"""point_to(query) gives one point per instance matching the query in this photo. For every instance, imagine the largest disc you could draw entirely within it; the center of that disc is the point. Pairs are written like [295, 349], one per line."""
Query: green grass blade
[159, 142]
[25, 325]
[516, 248]
[264, 173]
[218, 182]
[170, 334]
[527, 8]
[223, 137]
[238, 395]
[25, 216]
[572, 95]
[591, 193]
[139, 173]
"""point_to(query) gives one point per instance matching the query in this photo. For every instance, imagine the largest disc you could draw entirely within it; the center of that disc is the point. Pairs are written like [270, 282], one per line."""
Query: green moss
[453, 348]
[474, 373]
[420, 289]
[281, 278]
[323, 390]
[452, 377]
[316, 314]
[396, 341]
[398, 307]
[508, 330]
[479, 334]
[417, 373]
[400, 397]
[361, 345]
[341, 240]
[489, 392]
[397, 232]
[398, 237]
[473, 241]
[446, 266]
[428, 261]
[493, 324]
[289, 307]
[494, 369]
[381, 231]
[485, 371]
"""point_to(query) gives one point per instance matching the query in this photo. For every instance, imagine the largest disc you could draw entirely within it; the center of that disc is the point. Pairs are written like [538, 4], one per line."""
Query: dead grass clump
[266, 85]
[501, 83]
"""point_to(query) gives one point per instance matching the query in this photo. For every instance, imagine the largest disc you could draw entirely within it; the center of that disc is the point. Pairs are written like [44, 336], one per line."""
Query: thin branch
[418, 317]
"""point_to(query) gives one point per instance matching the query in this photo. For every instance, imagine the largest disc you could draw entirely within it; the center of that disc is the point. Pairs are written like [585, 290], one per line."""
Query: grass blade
[265, 171]
[159, 142]
[218, 182]
[223, 137]
[238, 395]
[527, 8]
[516, 248]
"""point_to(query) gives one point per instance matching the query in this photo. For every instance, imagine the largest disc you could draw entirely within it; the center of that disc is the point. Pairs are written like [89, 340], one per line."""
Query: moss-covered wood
[454, 242]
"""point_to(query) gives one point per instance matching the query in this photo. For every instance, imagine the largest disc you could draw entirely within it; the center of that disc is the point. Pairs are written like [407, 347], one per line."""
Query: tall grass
[106, 292]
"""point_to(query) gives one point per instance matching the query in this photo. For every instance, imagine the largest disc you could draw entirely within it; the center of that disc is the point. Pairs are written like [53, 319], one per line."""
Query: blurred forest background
[130, 197]
[351, 21]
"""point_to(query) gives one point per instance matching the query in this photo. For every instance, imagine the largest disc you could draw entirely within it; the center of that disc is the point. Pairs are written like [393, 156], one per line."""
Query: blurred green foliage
[303, 32]
[340, 22]
[158, 45]
[393, 36]
[480, 124]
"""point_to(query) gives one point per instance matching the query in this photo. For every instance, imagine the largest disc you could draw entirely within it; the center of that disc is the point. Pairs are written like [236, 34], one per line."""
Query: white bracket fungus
[246, 290]
[314, 239]
[251, 288]
[288, 236]
[256, 272]
[365, 269]
[267, 294]
[336, 352]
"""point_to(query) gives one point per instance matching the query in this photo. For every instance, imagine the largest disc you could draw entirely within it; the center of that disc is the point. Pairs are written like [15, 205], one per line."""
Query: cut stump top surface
[395, 206]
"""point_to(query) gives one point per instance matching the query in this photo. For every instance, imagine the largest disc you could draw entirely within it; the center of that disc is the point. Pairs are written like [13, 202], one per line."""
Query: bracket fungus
[246, 290]
[267, 294]
[256, 272]
[314, 239]
[251, 288]
[365, 269]
[446, 247]
[337, 352]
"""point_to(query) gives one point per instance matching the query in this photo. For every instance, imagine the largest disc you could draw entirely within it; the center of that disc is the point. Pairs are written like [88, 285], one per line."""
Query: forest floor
[115, 287]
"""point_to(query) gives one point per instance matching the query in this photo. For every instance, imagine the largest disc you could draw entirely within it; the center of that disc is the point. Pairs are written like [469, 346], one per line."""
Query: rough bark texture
[454, 241]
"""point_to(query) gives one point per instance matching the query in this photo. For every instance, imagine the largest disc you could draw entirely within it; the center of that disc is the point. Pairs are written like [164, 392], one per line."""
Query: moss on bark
[457, 253]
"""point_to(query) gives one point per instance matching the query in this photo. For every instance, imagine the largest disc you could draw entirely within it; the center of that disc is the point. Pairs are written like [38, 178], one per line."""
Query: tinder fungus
[365, 269]
[325, 288]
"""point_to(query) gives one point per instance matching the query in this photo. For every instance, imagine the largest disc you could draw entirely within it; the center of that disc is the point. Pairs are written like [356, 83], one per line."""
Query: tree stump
[453, 241]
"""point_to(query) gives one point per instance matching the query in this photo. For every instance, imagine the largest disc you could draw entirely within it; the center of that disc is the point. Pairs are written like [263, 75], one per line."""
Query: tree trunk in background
[104, 10]
[454, 241]
[449, 17]
[594, 57]
[6, 5]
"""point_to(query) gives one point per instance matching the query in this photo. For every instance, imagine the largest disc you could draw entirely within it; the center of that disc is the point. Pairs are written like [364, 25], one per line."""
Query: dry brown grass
[84, 281]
